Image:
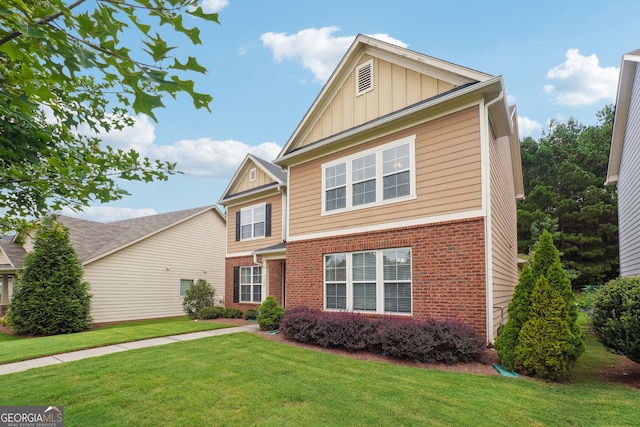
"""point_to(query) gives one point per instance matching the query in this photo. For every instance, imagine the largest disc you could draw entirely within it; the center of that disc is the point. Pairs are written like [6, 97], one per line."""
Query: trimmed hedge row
[404, 338]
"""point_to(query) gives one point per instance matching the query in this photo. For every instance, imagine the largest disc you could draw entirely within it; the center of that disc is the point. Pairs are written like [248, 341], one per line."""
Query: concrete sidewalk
[10, 368]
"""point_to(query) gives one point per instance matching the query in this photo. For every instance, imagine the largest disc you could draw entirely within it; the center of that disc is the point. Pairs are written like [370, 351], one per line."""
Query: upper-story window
[253, 222]
[381, 175]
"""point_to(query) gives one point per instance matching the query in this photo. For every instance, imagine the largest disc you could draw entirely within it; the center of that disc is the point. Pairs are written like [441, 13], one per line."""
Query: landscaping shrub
[232, 313]
[250, 314]
[545, 342]
[50, 296]
[425, 341]
[207, 313]
[269, 314]
[615, 320]
[200, 295]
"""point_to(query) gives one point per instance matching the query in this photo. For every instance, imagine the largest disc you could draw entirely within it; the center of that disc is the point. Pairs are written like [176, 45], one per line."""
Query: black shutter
[267, 220]
[238, 226]
[236, 284]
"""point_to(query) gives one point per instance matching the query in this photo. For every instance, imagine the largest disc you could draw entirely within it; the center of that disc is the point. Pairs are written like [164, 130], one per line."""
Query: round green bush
[250, 314]
[615, 320]
[232, 313]
[270, 314]
[200, 295]
[207, 313]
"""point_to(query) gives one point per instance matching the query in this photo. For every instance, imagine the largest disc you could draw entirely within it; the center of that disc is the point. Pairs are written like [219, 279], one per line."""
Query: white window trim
[379, 284]
[369, 64]
[252, 207]
[262, 285]
[252, 174]
[411, 140]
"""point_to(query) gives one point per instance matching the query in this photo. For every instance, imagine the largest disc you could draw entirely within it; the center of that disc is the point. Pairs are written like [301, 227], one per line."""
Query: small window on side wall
[252, 175]
[185, 284]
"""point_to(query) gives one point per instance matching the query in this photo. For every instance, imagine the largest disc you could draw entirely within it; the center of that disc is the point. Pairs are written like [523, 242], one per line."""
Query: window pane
[336, 296]
[258, 229]
[336, 268]
[397, 185]
[257, 274]
[396, 159]
[364, 296]
[397, 297]
[363, 168]
[185, 284]
[257, 293]
[245, 274]
[364, 192]
[258, 214]
[245, 293]
[336, 198]
[364, 266]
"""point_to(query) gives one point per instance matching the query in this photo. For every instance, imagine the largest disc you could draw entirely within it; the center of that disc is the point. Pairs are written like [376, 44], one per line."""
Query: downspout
[488, 225]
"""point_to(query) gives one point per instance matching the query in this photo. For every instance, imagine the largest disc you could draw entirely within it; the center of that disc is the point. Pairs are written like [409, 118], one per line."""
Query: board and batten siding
[448, 178]
[504, 228]
[394, 88]
[244, 183]
[234, 247]
[629, 188]
[142, 281]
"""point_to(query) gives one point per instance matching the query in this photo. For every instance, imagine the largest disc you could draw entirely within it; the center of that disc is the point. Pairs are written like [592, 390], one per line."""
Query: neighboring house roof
[277, 175]
[623, 99]
[93, 240]
[14, 253]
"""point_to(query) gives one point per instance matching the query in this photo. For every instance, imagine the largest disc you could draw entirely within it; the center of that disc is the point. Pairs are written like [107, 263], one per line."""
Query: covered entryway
[273, 262]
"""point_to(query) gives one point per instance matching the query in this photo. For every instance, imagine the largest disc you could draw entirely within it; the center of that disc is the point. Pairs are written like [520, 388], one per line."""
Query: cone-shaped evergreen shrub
[518, 312]
[269, 314]
[50, 297]
[545, 340]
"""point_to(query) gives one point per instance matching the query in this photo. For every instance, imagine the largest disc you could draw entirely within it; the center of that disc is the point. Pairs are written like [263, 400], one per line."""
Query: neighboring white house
[624, 163]
[139, 268]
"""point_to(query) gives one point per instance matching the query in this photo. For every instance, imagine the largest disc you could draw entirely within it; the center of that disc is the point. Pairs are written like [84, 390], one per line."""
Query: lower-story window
[371, 281]
[185, 284]
[251, 284]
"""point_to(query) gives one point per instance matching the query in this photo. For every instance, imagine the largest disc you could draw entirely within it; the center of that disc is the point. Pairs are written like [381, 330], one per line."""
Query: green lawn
[12, 349]
[243, 379]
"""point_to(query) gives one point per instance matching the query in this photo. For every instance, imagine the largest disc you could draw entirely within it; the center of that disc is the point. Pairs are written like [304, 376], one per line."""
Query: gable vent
[364, 78]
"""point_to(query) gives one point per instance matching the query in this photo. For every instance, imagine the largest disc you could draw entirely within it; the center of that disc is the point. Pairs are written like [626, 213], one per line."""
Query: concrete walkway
[10, 368]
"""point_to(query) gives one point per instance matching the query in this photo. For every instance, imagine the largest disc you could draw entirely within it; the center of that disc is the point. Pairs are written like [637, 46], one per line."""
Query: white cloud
[317, 48]
[214, 6]
[527, 127]
[210, 158]
[107, 213]
[139, 137]
[582, 81]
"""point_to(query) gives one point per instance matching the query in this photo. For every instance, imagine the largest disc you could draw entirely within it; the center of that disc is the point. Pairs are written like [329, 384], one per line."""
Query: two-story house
[400, 195]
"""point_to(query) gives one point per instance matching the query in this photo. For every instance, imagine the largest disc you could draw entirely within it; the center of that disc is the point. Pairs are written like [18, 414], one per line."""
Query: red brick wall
[449, 280]
[275, 281]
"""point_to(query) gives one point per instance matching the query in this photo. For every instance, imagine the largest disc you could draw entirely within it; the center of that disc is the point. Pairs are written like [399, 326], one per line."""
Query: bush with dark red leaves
[404, 338]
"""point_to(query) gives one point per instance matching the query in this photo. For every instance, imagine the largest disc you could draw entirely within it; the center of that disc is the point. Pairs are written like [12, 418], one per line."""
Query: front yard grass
[243, 379]
[13, 350]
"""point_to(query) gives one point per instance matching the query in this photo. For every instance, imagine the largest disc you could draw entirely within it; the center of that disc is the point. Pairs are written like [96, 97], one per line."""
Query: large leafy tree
[66, 73]
[564, 174]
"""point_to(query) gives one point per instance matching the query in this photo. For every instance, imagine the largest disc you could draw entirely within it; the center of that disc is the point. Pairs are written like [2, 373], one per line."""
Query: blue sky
[268, 60]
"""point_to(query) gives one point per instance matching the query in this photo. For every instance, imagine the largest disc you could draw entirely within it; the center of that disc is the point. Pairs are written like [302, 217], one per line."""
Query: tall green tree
[64, 67]
[564, 175]
[50, 296]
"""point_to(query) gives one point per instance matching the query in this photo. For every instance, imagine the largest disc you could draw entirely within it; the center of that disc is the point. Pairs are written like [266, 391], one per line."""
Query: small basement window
[364, 78]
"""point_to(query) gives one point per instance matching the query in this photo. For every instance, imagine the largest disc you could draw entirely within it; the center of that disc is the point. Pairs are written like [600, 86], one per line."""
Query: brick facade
[449, 277]
[275, 281]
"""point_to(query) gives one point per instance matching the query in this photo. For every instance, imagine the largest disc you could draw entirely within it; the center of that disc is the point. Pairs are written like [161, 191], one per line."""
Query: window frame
[378, 178]
[380, 282]
[253, 223]
[251, 285]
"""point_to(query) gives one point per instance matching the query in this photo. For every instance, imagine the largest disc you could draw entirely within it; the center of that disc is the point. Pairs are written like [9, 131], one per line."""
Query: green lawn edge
[16, 350]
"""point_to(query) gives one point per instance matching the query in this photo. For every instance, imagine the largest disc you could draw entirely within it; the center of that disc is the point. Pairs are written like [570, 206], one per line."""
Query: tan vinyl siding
[504, 235]
[244, 183]
[395, 87]
[234, 247]
[143, 280]
[448, 178]
[629, 188]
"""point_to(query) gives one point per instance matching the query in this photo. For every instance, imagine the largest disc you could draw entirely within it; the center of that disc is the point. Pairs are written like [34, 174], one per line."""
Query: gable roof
[15, 255]
[273, 171]
[456, 75]
[93, 240]
[623, 99]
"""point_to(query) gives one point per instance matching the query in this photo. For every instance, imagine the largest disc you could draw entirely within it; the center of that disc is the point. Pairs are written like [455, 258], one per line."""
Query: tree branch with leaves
[63, 69]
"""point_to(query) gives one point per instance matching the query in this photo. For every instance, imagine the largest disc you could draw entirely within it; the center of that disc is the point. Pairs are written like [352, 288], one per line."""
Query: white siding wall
[143, 280]
[629, 188]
